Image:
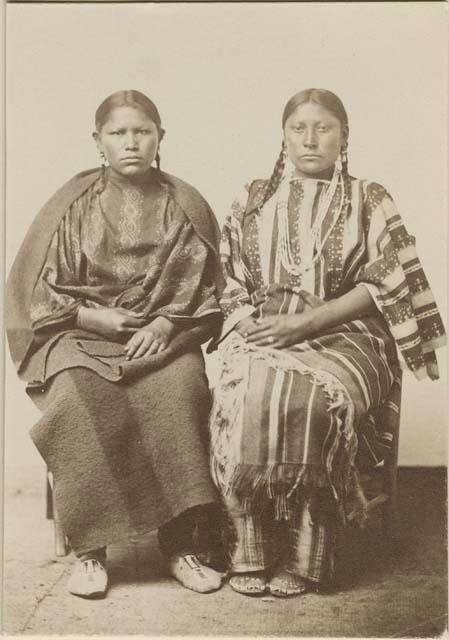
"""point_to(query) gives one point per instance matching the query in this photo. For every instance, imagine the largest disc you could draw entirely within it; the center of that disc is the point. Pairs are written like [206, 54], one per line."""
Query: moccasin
[89, 579]
[189, 571]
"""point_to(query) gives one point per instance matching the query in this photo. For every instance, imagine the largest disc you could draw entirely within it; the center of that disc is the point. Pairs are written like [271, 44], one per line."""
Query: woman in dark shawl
[325, 300]
[108, 302]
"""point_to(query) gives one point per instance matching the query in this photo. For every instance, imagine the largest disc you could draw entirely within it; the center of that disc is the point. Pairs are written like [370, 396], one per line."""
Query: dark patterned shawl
[33, 252]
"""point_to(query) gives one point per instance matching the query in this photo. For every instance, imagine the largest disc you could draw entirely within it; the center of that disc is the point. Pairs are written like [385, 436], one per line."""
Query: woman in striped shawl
[325, 302]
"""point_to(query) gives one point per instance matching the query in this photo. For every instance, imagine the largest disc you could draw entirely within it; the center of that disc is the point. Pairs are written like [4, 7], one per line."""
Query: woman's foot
[189, 571]
[249, 584]
[285, 583]
[89, 579]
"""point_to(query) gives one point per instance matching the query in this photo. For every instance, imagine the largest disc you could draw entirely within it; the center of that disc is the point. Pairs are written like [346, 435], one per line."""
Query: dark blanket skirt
[126, 456]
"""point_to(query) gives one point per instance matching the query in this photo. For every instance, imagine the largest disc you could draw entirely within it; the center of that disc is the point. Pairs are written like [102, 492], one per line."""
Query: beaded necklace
[314, 243]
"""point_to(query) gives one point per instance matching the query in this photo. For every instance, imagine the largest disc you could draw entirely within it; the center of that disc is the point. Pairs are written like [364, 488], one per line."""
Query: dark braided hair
[334, 105]
[127, 98]
[275, 179]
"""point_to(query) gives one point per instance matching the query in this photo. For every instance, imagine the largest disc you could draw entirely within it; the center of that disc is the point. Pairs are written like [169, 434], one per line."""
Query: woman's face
[129, 140]
[314, 138]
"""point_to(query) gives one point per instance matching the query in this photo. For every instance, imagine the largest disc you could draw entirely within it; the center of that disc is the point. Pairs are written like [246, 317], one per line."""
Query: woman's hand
[312, 300]
[245, 325]
[281, 331]
[110, 322]
[286, 330]
[153, 338]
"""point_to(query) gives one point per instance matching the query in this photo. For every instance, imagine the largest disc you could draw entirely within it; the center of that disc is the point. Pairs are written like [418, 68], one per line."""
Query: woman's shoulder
[373, 192]
[249, 196]
[184, 191]
[195, 207]
[81, 181]
[376, 199]
[72, 190]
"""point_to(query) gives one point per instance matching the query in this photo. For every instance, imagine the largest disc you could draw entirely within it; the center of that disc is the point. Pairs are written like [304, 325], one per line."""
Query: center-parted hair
[323, 98]
[128, 98]
[328, 101]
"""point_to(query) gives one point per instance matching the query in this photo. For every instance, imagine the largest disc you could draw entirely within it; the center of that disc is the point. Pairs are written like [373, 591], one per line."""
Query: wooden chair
[390, 491]
[388, 470]
[387, 498]
[60, 540]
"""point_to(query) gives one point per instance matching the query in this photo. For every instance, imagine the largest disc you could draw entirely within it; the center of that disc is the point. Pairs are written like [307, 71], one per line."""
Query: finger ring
[270, 339]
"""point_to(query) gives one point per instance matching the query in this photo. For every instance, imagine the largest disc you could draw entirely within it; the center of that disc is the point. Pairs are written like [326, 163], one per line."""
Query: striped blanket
[288, 418]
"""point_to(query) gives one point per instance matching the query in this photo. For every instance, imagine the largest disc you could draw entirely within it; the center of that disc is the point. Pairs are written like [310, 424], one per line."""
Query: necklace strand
[315, 244]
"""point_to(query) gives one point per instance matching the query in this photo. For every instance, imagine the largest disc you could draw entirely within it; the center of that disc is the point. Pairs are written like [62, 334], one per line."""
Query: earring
[342, 159]
[103, 159]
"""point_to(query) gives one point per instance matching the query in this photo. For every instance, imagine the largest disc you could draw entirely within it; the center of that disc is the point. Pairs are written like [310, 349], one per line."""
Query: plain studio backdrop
[220, 75]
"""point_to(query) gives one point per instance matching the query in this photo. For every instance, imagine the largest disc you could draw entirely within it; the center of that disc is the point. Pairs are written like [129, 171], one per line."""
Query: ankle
[95, 554]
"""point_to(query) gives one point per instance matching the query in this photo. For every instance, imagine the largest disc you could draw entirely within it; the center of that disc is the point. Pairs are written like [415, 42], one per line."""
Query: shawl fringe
[276, 480]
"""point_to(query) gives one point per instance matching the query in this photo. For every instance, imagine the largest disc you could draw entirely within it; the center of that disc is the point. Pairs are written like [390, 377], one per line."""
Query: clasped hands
[284, 330]
[148, 338]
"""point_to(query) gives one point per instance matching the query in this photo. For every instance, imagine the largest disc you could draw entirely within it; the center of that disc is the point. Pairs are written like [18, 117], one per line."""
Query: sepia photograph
[225, 389]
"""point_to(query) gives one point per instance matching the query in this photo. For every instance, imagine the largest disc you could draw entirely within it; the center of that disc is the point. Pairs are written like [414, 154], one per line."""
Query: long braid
[276, 176]
[273, 183]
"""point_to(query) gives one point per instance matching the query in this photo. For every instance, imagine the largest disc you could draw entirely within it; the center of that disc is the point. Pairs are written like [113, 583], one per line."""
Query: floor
[400, 592]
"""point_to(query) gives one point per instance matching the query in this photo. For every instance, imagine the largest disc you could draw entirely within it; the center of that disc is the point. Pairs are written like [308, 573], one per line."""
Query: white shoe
[189, 571]
[89, 579]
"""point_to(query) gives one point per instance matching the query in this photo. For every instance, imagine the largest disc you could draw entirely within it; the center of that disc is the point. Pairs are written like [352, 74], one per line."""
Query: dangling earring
[158, 161]
[342, 159]
[102, 181]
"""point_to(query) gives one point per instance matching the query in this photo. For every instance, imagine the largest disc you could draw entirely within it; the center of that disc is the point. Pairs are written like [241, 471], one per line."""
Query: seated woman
[325, 298]
[109, 300]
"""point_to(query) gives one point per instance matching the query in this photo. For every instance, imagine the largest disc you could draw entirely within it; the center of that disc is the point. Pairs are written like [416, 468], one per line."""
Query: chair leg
[390, 487]
[60, 540]
[389, 516]
[61, 546]
[49, 501]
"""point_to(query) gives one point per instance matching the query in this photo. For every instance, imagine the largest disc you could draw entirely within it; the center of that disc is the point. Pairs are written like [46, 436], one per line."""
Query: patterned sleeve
[50, 303]
[396, 280]
[235, 301]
